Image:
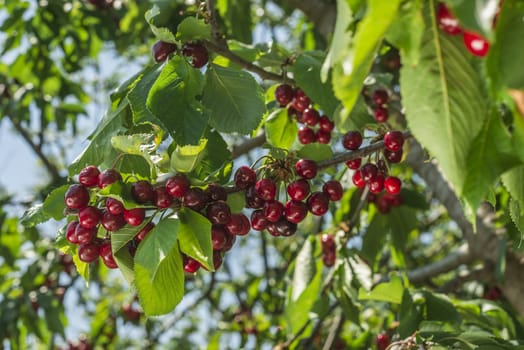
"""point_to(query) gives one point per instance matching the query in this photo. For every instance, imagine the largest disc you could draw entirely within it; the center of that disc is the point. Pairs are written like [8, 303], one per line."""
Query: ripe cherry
[327, 241]
[238, 225]
[376, 185]
[76, 197]
[383, 204]
[326, 124]
[295, 211]
[258, 220]
[245, 177]
[284, 228]
[107, 255]
[273, 210]
[217, 259]
[306, 168]
[284, 94]
[197, 54]
[88, 252]
[392, 185]
[323, 137]
[352, 140]
[142, 191]
[230, 242]
[161, 50]
[107, 177]
[161, 198]
[393, 157]
[216, 192]
[381, 114]
[329, 258]
[300, 101]
[476, 44]
[310, 116]
[369, 171]
[190, 265]
[266, 189]
[318, 203]
[333, 189]
[382, 341]
[196, 199]
[252, 198]
[114, 206]
[84, 235]
[393, 141]
[141, 235]
[89, 216]
[298, 190]
[177, 186]
[112, 222]
[70, 234]
[218, 237]
[135, 216]
[354, 164]
[380, 97]
[446, 21]
[218, 213]
[89, 176]
[306, 135]
[358, 180]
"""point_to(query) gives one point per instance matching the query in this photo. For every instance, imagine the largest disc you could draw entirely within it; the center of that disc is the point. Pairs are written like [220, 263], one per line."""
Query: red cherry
[89, 216]
[252, 199]
[300, 101]
[333, 189]
[318, 203]
[380, 97]
[197, 54]
[376, 185]
[310, 116]
[393, 141]
[273, 210]
[266, 189]
[326, 124]
[298, 190]
[352, 140]
[196, 199]
[71, 232]
[89, 176]
[217, 259]
[107, 177]
[218, 237]
[238, 225]
[162, 199]
[382, 341]
[328, 242]
[218, 213]
[369, 171]
[354, 164]
[112, 222]
[177, 186]
[141, 235]
[230, 242]
[392, 185]
[259, 221]
[245, 177]
[161, 50]
[114, 206]
[76, 197]
[284, 94]
[306, 135]
[285, 228]
[85, 235]
[476, 44]
[329, 258]
[323, 137]
[134, 217]
[393, 157]
[381, 114]
[306, 168]
[142, 191]
[88, 252]
[446, 21]
[190, 265]
[358, 180]
[216, 192]
[295, 211]
[107, 255]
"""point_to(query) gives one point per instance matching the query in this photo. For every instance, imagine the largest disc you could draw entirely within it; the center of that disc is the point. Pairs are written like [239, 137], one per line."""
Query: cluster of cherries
[475, 43]
[300, 106]
[196, 53]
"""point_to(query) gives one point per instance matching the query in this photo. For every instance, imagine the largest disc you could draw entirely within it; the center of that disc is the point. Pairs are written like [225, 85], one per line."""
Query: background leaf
[194, 235]
[281, 130]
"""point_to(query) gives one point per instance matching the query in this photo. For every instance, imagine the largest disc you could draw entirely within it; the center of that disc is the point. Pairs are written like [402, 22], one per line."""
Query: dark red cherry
[392, 184]
[300, 101]
[252, 199]
[161, 50]
[190, 265]
[178, 185]
[85, 235]
[273, 210]
[89, 216]
[310, 116]
[216, 192]
[380, 97]
[328, 242]
[381, 114]
[245, 177]
[382, 341]
[197, 54]
[354, 164]
[162, 199]
[218, 237]
[329, 258]
[323, 137]
[358, 180]
[306, 168]
[258, 220]
[376, 185]
[284, 227]
[284, 94]
[89, 176]
[295, 211]
[142, 191]
[114, 206]
[141, 235]
[352, 140]
[218, 213]
[266, 189]
[298, 190]
[135, 216]
[88, 252]
[108, 177]
[326, 124]
[369, 171]
[230, 242]
[393, 157]
[107, 255]
[318, 203]
[306, 135]
[196, 198]
[393, 141]
[333, 189]
[76, 197]
[112, 222]
[238, 225]
[446, 21]
[70, 234]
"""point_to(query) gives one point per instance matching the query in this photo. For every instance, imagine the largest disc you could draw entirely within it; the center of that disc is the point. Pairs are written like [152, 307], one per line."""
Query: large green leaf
[185, 158]
[351, 59]
[174, 100]
[235, 14]
[306, 71]
[194, 235]
[281, 130]
[444, 101]
[159, 275]
[154, 18]
[53, 207]
[192, 28]
[514, 182]
[137, 96]
[234, 98]
[388, 291]
[504, 59]
[215, 160]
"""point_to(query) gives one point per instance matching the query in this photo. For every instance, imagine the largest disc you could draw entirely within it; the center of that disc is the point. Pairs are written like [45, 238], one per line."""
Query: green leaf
[161, 293]
[100, 146]
[137, 144]
[236, 201]
[476, 15]
[238, 24]
[139, 92]
[409, 316]
[194, 235]
[354, 56]
[440, 308]
[406, 31]
[192, 28]
[503, 61]
[316, 152]
[513, 180]
[185, 158]
[126, 265]
[162, 33]
[281, 130]
[174, 100]
[388, 291]
[120, 238]
[306, 71]
[34, 216]
[215, 161]
[54, 204]
[234, 98]
[374, 238]
[491, 155]
[444, 101]
[356, 120]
